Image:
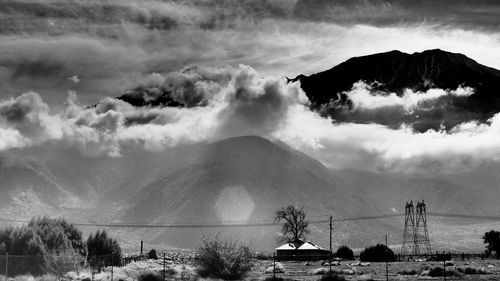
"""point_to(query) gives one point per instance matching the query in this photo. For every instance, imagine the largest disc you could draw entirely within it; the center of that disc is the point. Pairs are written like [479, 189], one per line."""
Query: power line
[262, 223]
[210, 225]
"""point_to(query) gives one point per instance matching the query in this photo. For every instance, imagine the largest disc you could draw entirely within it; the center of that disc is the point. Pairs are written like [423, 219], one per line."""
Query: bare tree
[294, 223]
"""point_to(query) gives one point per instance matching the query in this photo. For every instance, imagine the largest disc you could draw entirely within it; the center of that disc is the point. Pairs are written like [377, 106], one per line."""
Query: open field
[299, 271]
[376, 271]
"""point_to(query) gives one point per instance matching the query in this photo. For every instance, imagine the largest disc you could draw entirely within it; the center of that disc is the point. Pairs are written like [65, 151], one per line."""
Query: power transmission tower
[422, 243]
[408, 246]
[416, 236]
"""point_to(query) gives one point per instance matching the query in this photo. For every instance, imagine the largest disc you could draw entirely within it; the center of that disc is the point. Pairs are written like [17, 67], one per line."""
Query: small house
[302, 251]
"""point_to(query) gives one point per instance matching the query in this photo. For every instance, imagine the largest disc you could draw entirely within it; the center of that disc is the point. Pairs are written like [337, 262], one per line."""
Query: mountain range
[236, 180]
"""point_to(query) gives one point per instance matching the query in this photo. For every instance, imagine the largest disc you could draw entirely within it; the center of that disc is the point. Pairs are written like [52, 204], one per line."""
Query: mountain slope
[28, 187]
[441, 194]
[244, 179]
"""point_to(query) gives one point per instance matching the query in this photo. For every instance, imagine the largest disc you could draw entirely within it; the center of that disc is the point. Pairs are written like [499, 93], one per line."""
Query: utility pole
[330, 258]
[386, 261]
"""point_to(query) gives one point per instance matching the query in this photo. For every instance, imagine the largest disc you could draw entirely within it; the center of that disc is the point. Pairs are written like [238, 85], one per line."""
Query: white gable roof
[287, 246]
[309, 246]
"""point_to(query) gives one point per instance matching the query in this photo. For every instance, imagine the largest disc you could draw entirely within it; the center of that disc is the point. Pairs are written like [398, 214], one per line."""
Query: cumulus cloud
[433, 109]
[363, 96]
[378, 147]
[237, 102]
[240, 101]
[29, 117]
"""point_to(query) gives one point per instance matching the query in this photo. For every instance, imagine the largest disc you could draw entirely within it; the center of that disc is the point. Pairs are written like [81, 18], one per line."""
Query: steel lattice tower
[409, 231]
[422, 242]
[416, 236]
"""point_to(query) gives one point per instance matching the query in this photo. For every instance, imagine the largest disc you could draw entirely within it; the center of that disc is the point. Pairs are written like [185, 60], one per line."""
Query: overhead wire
[261, 223]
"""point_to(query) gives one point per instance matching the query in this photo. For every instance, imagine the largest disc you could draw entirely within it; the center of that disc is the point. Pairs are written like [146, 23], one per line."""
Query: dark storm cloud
[62, 16]
[192, 86]
[28, 115]
[47, 63]
[17, 110]
[480, 14]
[37, 68]
[111, 46]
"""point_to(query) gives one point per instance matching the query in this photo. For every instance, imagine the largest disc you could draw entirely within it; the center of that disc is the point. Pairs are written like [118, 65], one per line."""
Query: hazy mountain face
[236, 180]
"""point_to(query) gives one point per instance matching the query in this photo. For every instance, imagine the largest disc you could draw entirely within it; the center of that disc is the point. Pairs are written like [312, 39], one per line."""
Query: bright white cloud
[363, 96]
[248, 104]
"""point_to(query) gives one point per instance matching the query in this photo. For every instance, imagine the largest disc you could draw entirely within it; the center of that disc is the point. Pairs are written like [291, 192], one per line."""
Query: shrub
[271, 278]
[152, 254]
[377, 253]
[332, 277]
[149, 276]
[227, 260]
[263, 256]
[345, 253]
[28, 254]
[170, 272]
[408, 272]
[36, 241]
[103, 250]
[439, 272]
[58, 234]
[59, 263]
[471, 270]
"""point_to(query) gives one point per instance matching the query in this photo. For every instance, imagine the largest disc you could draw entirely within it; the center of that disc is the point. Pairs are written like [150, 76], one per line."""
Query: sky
[62, 63]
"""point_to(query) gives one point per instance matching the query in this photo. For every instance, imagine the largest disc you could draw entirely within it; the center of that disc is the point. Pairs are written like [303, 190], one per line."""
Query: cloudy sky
[62, 62]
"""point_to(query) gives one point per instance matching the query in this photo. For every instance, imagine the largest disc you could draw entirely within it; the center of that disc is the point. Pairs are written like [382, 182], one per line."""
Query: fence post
[6, 266]
[112, 262]
[444, 268]
[386, 260]
[274, 266]
[330, 255]
[164, 262]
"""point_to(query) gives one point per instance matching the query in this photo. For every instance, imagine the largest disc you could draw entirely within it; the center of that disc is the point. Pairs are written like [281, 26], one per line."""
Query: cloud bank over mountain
[236, 101]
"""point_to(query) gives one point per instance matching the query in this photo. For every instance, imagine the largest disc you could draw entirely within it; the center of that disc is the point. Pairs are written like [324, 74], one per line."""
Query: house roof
[287, 246]
[309, 246]
[299, 245]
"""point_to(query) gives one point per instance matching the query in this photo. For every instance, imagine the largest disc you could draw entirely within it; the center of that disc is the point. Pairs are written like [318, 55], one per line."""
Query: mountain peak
[242, 140]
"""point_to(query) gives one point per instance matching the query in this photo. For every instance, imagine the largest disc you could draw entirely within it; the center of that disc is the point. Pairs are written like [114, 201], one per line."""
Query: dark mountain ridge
[395, 72]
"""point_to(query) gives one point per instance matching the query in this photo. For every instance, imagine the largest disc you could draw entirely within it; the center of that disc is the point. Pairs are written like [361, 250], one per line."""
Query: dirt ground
[488, 269]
